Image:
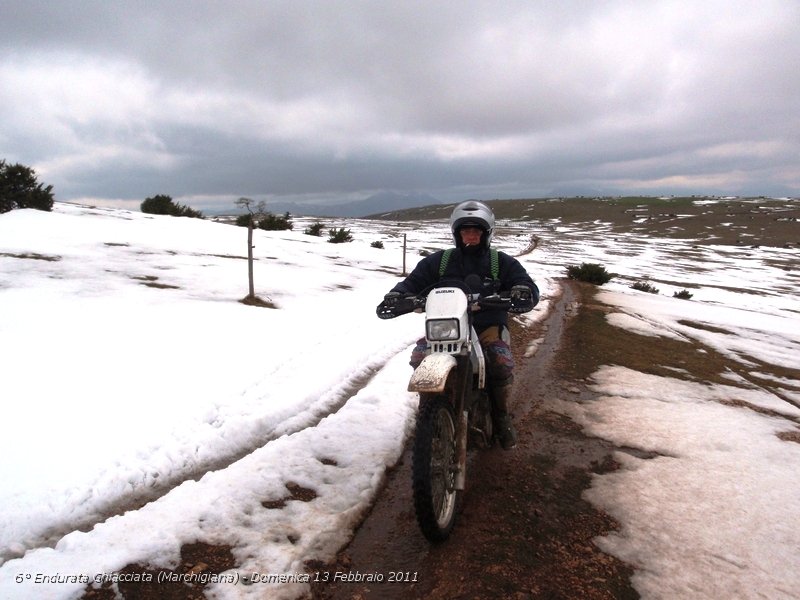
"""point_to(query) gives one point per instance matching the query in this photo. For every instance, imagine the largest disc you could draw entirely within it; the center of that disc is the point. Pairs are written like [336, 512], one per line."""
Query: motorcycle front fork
[461, 451]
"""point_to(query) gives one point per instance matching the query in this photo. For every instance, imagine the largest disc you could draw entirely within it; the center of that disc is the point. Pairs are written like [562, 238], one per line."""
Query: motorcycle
[454, 412]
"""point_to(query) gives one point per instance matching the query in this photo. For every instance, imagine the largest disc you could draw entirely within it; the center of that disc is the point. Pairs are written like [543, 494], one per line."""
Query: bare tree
[255, 211]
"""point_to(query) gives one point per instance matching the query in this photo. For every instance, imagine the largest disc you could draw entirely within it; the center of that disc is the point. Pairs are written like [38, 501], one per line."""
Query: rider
[472, 226]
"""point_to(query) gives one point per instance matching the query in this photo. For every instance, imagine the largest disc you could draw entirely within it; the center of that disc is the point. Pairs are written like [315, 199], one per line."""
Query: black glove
[395, 304]
[494, 302]
[391, 299]
[521, 299]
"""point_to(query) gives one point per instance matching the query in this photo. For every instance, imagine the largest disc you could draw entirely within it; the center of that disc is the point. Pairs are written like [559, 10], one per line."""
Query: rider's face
[470, 236]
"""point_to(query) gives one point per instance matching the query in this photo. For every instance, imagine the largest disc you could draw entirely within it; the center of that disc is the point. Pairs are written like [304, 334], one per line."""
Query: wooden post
[404, 255]
[250, 257]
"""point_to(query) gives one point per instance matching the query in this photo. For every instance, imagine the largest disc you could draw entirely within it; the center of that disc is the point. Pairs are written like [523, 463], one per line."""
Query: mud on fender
[431, 375]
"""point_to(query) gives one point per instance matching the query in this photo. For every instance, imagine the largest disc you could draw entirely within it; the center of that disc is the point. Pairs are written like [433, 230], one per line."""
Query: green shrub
[590, 273]
[683, 294]
[244, 220]
[643, 286]
[270, 222]
[377, 244]
[161, 204]
[19, 188]
[339, 236]
[314, 229]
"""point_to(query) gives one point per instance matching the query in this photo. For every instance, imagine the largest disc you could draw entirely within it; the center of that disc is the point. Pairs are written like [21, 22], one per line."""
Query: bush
[272, 222]
[683, 294]
[19, 189]
[314, 229]
[643, 286]
[339, 236]
[245, 220]
[377, 244]
[590, 273]
[163, 205]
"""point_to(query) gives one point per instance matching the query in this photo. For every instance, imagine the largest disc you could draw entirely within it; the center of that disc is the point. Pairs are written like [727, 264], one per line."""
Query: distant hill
[377, 203]
[710, 219]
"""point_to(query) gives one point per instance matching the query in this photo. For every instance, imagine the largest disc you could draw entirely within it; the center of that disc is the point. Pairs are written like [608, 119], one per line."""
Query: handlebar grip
[400, 306]
[384, 312]
[494, 302]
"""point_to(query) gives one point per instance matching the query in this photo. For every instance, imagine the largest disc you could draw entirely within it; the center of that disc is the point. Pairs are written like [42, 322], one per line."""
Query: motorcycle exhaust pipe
[461, 452]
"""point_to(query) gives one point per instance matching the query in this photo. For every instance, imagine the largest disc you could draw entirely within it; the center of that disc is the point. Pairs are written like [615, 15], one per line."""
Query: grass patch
[152, 281]
[766, 222]
[32, 256]
[591, 341]
[160, 286]
[704, 327]
[296, 491]
[256, 301]
[234, 256]
[790, 436]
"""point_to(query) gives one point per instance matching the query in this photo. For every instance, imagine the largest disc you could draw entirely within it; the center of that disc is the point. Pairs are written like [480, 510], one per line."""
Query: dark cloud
[113, 100]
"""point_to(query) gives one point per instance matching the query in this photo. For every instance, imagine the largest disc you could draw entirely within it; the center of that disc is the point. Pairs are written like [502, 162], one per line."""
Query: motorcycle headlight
[440, 330]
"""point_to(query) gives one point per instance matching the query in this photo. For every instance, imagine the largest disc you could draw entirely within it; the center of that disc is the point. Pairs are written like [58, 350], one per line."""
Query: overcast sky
[112, 102]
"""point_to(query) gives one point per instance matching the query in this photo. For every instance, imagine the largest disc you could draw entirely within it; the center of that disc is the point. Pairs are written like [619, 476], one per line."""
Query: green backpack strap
[494, 259]
[444, 261]
[495, 264]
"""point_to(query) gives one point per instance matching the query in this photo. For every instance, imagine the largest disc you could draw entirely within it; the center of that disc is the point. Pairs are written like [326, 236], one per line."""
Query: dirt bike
[454, 407]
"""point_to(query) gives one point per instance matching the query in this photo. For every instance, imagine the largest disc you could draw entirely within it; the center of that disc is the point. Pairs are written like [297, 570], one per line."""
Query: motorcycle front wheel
[433, 468]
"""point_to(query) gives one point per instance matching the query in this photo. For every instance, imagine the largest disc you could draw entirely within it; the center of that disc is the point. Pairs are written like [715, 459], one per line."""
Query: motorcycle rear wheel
[433, 468]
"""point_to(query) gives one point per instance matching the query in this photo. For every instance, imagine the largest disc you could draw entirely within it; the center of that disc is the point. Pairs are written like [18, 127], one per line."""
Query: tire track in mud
[336, 398]
[388, 540]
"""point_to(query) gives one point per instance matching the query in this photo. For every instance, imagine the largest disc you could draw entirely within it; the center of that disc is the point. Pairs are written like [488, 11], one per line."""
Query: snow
[145, 408]
[715, 514]
[707, 494]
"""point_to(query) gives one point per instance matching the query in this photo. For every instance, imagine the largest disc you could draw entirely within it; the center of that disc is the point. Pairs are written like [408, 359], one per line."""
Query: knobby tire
[433, 473]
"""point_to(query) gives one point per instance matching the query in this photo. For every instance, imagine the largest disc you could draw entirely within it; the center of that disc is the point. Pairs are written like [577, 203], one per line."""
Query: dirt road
[523, 531]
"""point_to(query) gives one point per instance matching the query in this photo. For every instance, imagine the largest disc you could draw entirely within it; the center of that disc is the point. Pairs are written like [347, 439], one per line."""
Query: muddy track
[524, 530]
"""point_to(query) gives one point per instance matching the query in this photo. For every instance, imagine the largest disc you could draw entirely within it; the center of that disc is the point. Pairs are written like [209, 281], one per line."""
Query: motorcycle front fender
[432, 373]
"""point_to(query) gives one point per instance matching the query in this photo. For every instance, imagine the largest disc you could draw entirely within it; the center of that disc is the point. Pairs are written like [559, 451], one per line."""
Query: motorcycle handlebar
[494, 302]
[402, 305]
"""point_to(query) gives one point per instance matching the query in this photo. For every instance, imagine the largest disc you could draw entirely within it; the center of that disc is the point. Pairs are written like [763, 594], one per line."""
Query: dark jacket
[462, 264]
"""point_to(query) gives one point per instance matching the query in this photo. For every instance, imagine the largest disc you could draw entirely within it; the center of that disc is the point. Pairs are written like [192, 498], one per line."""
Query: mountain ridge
[380, 202]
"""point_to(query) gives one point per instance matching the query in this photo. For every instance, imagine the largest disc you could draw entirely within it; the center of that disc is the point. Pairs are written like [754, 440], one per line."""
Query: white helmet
[472, 213]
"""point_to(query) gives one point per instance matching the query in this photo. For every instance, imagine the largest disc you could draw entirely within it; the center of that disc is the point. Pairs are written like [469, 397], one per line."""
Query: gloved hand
[521, 299]
[395, 304]
[392, 298]
[494, 302]
[521, 293]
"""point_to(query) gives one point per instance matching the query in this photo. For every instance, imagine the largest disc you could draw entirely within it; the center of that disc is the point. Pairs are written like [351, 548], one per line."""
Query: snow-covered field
[130, 373]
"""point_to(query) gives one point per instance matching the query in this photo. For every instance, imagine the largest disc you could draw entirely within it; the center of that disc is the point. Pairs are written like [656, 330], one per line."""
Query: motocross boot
[501, 417]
